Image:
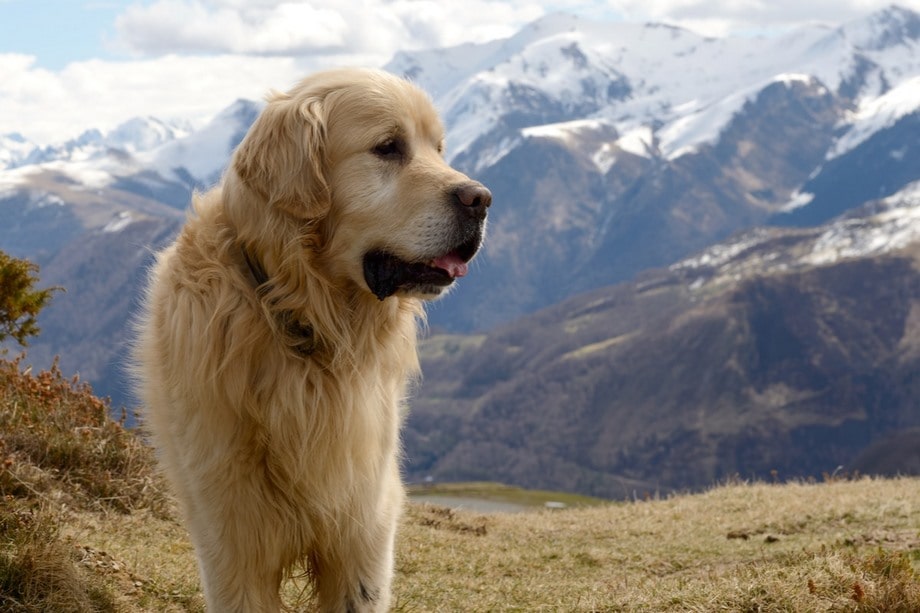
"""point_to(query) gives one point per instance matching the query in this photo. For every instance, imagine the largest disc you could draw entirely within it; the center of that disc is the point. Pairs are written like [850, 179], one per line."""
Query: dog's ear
[282, 157]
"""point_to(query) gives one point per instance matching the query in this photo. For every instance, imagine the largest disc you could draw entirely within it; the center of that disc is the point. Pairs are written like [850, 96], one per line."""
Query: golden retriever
[279, 336]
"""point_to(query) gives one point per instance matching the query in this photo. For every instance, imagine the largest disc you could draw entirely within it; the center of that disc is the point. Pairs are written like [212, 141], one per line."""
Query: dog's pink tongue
[454, 266]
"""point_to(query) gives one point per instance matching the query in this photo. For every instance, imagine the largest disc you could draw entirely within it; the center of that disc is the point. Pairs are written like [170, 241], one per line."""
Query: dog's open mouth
[386, 273]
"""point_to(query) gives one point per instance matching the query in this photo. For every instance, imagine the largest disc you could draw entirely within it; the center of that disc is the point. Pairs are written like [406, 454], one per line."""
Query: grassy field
[842, 546]
[85, 525]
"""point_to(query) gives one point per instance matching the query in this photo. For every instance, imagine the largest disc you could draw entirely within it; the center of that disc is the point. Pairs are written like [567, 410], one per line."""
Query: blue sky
[70, 65]
[58, 32]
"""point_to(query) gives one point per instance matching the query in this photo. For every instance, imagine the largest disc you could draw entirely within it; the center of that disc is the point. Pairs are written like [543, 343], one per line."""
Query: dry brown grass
[56, 437]
[37, 570]
[62, 458]
[842, 546]
[85, 525]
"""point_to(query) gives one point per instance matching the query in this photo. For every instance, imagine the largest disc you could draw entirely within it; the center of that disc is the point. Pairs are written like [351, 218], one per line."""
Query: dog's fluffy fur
[279, 334]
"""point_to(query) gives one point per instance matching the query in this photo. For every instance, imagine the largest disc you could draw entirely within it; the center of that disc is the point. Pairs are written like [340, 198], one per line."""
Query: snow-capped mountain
[679, 86]
[144, 134]
[143, 155]
[643, 143]
[200, 158]
[136, 135]
[610, 148]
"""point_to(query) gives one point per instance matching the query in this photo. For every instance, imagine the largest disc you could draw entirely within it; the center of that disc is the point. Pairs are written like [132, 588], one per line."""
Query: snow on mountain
[550, 79]
[892, 27]
[874, 114]
[596, 138]
[704, 126]
[134, 136]
[144, 134]
[578, 57]
[683, 87]
[798, 200]
[120, 221]
[202, 155]
[894, 224]
[83, 172]
[94, 160]
[638, 141]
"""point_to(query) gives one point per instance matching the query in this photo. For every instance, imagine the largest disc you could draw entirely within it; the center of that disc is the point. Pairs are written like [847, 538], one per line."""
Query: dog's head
[356, 156]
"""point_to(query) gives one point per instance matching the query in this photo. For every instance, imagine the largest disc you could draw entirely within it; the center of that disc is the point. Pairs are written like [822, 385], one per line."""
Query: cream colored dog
[279, 334]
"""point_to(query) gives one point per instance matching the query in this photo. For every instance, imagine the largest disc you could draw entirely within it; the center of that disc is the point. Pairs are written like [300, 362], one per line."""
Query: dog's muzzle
[386, 273]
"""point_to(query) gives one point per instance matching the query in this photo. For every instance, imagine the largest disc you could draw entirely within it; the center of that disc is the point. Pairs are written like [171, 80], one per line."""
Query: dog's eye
[390, 149]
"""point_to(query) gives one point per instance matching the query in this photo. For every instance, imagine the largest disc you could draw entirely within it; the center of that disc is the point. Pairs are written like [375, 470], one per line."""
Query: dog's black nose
[473, 197]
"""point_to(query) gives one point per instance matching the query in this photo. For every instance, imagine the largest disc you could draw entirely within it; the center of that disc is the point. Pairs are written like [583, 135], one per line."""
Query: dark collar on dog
[298, 336]
[255, 269]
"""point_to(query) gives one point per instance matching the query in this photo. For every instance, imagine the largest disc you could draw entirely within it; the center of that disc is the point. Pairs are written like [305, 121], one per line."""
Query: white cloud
[222, 27]
[49, 107]
[319, 26]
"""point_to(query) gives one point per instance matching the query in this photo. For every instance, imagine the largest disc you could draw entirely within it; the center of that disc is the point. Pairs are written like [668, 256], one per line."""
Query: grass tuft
[55, 435]
[38, 571]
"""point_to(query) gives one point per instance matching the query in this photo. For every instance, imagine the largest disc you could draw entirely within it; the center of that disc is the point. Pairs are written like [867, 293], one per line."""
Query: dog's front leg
[355, 573]
[239, 550]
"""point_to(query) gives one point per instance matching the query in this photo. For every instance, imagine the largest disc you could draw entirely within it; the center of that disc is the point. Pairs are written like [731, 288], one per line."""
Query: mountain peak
[14, 149]
[884, 29]
[88, 137]
[240, 108]
[549, 25]
[142, 134]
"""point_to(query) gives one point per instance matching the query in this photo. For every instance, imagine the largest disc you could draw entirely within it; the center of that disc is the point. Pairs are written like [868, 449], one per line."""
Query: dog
[277, 340]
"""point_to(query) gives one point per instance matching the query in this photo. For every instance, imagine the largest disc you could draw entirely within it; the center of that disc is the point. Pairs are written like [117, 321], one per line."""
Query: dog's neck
[298, 335]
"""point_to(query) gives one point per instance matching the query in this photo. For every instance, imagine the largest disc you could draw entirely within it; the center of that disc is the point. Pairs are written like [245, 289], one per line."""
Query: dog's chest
[334, 425]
